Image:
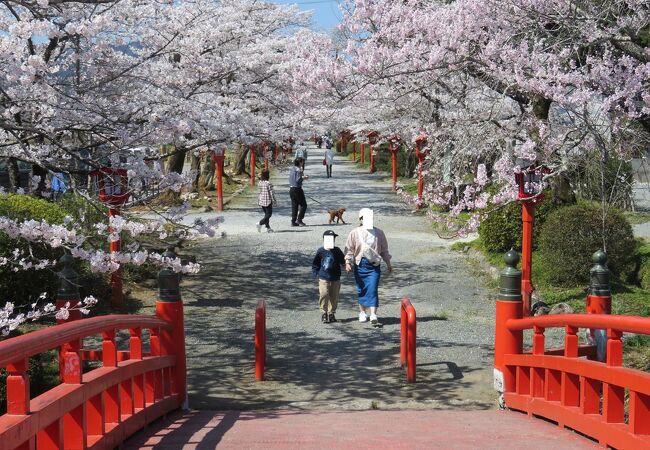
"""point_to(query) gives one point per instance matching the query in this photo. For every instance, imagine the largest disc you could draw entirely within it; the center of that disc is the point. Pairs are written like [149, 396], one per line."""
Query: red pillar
[117, 299]
[508, 306]
[218, 166]
[354, 152]
[528, 219]
[394, 161]
[372, 159]
[266, 156]
[420, 180]
[169, 308]
[362, 160]
[252, 149]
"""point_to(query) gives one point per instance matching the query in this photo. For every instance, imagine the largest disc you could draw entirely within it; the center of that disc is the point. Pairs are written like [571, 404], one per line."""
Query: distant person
[329, 144]
[301, 154]
[328, 160]
[59, 185]
[266, 200]
[298, 201]
[326, 267]
[365, 249]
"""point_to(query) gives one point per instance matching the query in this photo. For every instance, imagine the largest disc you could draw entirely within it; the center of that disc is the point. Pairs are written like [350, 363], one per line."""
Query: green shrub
[501, 229]
[572, 234]
[643, 275]
[24, 286]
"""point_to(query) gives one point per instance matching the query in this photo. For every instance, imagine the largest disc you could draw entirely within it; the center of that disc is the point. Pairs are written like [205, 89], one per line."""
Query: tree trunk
[196, 168]
[174, 163]
[241, 152]
[42, 173]
[206, 179]
[14, 174]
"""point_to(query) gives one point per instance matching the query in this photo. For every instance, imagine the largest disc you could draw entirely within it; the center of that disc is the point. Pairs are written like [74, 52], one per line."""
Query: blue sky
[326, 12]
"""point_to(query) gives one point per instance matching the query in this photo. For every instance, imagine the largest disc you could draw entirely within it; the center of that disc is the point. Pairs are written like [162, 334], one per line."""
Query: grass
[637, 218]
[627, 299]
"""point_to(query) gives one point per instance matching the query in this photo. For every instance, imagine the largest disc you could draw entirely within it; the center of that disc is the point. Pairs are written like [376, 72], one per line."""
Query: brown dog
[336, 213]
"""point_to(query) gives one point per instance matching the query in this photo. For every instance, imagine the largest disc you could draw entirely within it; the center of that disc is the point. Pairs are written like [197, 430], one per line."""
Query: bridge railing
[408, 324]
[98, 405]
[601, 399]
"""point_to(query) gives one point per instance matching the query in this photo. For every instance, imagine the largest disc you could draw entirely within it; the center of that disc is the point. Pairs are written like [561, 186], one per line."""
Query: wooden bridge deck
[429, 429]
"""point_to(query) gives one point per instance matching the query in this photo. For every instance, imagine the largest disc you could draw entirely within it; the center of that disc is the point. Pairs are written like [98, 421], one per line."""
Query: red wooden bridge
[134, 397]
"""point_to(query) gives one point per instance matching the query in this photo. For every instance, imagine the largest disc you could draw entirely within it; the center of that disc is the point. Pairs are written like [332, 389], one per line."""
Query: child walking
[327, 268]
[266, 200]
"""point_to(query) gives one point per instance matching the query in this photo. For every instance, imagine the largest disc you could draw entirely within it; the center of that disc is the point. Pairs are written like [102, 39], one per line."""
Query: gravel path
[346, 365]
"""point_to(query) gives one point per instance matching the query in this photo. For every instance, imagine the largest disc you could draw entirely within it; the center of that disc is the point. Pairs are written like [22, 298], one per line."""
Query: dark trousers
[329, 170]
[298, 204]
[268, 212]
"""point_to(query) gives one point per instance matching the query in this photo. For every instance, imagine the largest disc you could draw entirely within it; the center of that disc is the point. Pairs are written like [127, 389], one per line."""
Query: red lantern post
[252, 150]
[218, 157]
[372, 140]
[394, 145]
[112, 185]
[266, 156]
[530, 194]
[421, 154]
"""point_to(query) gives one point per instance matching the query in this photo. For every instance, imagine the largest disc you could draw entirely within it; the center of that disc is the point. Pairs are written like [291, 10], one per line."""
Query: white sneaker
[259, 227]
[269, 230]
[363, 317]
[373, 319]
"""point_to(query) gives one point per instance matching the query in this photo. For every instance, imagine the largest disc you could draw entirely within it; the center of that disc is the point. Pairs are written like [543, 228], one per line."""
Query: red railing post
[508, 306]
[528, 220]
[408, 338]
[260, 340]
[252, 161]
[599, 300]
[169, 308]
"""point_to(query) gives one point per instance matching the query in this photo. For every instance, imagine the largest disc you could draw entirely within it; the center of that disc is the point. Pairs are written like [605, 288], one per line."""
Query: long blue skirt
[367, 277]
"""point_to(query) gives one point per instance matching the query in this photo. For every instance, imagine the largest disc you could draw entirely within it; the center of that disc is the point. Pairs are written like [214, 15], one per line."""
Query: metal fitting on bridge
[511, 278]
[168, 282]
[599, 275]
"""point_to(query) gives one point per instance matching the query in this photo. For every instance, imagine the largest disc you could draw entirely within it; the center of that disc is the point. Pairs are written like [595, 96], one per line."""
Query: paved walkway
[355, 430]
[347, 365]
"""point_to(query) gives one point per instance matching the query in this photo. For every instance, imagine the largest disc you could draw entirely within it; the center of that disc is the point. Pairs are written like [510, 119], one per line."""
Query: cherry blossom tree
[89, 84]
[494, 84]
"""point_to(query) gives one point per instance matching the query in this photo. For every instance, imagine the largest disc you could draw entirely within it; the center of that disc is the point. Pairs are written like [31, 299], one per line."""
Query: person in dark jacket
[326, 267]
[297, 195]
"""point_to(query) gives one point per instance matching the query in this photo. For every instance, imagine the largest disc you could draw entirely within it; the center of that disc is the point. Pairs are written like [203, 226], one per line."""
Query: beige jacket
[369, 243]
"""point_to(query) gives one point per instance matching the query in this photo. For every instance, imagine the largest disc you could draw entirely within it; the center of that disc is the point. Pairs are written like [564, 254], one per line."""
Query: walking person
[301, 154]
[329, 160]
[298, 200]
[365, 249]
[266, 200]
[326, 267]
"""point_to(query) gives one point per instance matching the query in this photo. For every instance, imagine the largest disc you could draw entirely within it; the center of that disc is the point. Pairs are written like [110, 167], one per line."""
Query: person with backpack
[326, 267]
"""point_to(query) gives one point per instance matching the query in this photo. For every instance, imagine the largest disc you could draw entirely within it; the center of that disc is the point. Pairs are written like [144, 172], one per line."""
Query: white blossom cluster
[10, 319]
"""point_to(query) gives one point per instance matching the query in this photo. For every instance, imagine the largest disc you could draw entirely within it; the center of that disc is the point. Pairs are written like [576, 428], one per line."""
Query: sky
[326, 12]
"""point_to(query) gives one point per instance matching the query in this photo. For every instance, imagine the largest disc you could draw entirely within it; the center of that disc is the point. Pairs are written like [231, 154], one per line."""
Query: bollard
[508, 306]
[169, 308]
[260, 340]
[599, 300]
[408, 340]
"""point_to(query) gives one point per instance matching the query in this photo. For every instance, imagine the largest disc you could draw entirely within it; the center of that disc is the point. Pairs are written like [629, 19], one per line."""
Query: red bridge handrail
[260, 339]
[408, 325]
[40, 341]
[99, 408]
[584, 395]
[625, 324]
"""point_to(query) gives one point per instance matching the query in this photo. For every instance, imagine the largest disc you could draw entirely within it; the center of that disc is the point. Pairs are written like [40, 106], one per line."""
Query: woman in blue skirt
[365, 249]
